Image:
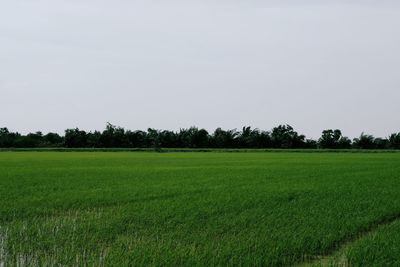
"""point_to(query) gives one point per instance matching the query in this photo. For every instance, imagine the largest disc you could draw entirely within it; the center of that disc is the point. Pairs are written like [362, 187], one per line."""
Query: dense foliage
[282, 136]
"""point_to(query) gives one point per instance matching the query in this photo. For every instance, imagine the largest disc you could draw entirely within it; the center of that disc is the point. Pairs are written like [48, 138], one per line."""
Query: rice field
[199, 209]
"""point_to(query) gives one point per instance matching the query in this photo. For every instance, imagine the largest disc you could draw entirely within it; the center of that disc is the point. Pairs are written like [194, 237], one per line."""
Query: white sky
[171, 64]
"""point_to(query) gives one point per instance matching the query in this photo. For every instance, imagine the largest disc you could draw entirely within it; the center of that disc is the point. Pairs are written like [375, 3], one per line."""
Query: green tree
[333, 139]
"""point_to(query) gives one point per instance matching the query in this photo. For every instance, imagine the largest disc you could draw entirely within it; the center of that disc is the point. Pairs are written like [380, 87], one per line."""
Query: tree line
[282, 136]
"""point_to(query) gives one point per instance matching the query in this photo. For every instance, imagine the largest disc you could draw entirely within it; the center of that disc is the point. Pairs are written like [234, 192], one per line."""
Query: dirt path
[337, 255]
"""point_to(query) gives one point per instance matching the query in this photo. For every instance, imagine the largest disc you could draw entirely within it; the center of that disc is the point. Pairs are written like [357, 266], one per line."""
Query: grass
[380, 247]
[198, 209]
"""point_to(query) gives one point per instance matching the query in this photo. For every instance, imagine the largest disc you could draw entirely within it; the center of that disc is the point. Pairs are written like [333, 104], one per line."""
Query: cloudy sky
[171, 64]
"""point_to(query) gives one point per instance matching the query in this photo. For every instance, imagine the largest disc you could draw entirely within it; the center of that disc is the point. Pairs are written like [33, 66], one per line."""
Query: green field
[199, 209]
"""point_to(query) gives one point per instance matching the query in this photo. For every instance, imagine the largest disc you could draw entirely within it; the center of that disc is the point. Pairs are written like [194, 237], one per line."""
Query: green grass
[197, 209]
[381, 247]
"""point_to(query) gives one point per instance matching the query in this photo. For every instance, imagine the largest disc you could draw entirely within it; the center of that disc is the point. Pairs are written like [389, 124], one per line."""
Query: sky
[173, 64]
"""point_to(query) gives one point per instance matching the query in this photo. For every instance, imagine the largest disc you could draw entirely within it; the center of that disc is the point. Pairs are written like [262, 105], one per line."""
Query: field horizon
[171, 150]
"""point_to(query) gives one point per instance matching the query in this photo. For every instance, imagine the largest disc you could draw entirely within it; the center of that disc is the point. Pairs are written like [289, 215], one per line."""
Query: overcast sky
[171, 64]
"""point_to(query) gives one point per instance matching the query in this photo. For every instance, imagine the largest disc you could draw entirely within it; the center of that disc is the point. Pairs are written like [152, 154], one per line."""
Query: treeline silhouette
[282, 136]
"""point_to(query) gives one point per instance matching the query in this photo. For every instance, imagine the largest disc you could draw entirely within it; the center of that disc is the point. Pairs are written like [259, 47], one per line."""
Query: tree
[263, 140]
[193, 138]
[5, 140]
[33, 140]
[136, 138]
[199, 138]
[381, 143]
[94, 139]
[312, 144]
[52, 139]
[168, 138]
[365, 141]
[284, 136]
[224, 139]
[253, 138]
[152, 138]
[75, 138]
[113, 136]
[394, 141]
[333, 139]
